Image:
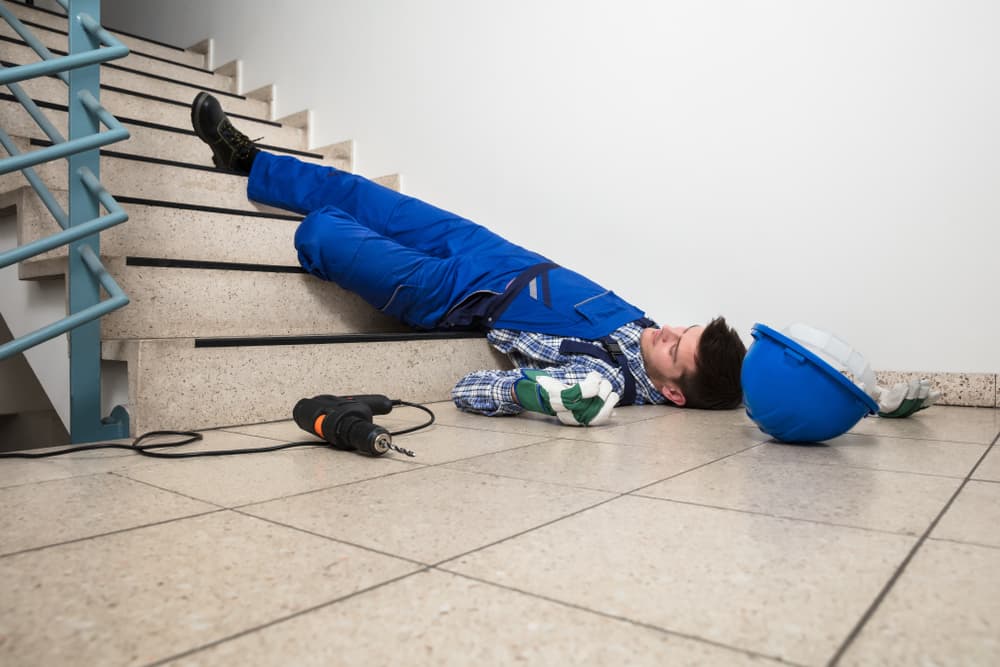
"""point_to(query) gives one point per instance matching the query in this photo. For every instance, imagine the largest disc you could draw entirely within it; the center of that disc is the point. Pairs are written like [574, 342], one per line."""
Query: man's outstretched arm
[577, 396]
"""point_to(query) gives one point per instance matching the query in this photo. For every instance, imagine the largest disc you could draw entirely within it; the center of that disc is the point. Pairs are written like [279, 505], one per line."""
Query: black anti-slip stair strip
[145, 158]
[390, 337]
[162, 263]
[121, 199]
[122, 68]
[120, 32]
[65, 33]
[147, 96]
[157, 126]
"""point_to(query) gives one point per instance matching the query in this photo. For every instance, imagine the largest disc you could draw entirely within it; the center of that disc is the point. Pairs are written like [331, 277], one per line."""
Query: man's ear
[674, 395]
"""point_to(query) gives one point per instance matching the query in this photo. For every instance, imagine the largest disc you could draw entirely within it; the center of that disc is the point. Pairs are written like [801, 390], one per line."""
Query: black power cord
[191, 436]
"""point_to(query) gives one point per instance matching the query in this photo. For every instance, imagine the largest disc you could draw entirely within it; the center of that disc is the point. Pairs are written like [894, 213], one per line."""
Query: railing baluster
[86, 275]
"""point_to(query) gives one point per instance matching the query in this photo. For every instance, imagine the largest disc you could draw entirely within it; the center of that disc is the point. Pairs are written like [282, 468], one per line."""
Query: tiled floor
[671, 537]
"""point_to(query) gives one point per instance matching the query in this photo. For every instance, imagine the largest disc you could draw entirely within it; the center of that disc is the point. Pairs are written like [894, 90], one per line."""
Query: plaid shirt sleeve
[491, 392]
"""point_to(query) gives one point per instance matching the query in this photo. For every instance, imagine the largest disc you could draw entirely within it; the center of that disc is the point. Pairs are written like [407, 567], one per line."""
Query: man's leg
[291, 184]
[413, 287]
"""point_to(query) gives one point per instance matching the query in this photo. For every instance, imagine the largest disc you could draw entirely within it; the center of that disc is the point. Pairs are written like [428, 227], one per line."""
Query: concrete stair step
[49, 92]
[135, 177]
[57, 20]
[254, 381]
[56, 40]
[136, 81]
[177, 143]
[187, 299]
[146, 178]
[165, 230]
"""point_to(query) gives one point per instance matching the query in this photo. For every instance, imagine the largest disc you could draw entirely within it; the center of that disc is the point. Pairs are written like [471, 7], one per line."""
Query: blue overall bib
[425, 266]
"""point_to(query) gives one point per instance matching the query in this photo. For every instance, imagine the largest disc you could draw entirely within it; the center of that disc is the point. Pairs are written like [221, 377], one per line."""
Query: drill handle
[377, 403]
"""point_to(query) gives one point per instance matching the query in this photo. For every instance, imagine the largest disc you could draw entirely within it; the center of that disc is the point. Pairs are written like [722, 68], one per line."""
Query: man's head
[696, 366]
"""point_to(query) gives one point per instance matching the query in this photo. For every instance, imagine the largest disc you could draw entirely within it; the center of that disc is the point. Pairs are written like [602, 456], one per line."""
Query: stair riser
[140, 83]
[169, 380]
[170, 302]
[181, 145]
[57, 41]
[133, 43]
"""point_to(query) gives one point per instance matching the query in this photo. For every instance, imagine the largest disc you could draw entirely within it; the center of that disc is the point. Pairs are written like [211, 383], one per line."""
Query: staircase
[223, 327]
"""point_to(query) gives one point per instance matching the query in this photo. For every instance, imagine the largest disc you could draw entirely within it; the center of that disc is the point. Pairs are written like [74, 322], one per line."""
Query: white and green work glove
[587, 403]
[905, 398]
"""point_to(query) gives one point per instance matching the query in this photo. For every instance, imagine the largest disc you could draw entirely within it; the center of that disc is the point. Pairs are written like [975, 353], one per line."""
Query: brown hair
[715, 384]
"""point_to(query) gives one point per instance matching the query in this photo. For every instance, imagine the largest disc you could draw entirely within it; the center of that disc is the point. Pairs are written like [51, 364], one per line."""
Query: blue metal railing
[89, 45]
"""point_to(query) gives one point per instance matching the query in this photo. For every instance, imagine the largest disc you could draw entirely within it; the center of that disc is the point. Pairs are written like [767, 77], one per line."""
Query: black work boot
[231, 149]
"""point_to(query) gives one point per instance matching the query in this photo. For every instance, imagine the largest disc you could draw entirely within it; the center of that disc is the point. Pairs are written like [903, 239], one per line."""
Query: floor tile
[938, 422]
[773, 586]
[593, 465]
[974, 516]
[875, 499]
[989, 469]
[428, 514]
[433, 618]
[36, 515]
[931, 457]
[231, 481]
[943, 610]
[436, 444]
[147, 594]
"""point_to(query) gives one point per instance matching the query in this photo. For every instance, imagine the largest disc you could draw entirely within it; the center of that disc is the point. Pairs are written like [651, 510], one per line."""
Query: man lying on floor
[579, 349]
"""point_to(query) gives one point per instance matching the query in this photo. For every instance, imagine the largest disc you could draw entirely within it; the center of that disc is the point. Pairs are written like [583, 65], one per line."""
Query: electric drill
[346, 421]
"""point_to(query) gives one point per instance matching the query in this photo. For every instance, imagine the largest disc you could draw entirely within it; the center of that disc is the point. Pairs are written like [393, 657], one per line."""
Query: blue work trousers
[409, 259]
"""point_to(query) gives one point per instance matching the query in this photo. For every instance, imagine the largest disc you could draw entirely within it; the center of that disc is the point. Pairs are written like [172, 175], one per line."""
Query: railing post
[86, 424]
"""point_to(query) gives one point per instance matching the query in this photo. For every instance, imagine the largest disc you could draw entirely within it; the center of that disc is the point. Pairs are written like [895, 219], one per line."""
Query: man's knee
[316, 232]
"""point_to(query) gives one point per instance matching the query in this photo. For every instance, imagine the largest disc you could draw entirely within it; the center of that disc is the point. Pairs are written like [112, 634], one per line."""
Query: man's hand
[905, 398]
[587, 403]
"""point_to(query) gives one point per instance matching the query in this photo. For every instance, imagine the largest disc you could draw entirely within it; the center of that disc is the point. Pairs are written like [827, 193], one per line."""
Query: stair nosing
[215, 265]
[334, 339]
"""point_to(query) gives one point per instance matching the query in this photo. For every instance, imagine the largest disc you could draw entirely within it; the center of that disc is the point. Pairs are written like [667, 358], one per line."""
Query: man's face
[669, 353]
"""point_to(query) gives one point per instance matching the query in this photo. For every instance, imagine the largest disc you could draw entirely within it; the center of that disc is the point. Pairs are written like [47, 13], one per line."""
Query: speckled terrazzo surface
[666, 537]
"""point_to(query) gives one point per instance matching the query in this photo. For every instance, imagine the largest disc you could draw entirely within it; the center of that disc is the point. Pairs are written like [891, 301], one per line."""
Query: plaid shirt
[491, 392]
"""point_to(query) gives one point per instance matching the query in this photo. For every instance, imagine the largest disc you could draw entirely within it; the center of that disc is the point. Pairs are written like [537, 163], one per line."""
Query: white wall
[775, 161]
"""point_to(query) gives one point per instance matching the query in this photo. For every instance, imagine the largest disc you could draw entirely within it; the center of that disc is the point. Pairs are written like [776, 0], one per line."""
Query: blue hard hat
[795, 396]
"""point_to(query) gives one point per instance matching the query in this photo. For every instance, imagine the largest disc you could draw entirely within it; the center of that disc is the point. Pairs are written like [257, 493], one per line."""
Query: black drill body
[346, 421]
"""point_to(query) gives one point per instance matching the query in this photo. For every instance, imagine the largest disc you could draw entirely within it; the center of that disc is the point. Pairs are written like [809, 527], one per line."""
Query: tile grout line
[782, 517]
[283, 619]
[337, 540]
[111, 532]
[870, 612]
